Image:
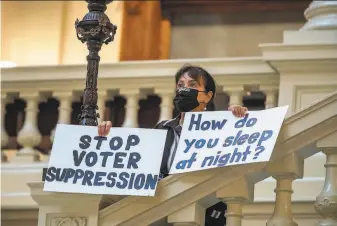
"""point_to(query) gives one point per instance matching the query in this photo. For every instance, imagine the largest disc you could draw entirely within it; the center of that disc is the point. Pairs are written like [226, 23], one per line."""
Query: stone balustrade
[183, 199]
[134, 81]
[297, 72]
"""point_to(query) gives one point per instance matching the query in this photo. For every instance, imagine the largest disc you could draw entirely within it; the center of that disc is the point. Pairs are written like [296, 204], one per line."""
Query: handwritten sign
[126, 162]
[217, 139]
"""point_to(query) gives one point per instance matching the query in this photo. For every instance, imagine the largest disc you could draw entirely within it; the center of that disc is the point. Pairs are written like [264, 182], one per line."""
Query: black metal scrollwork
[94, 29]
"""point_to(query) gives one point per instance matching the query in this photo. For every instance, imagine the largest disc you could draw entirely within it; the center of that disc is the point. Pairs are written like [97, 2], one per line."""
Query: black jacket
[173, 132]
[215, 215]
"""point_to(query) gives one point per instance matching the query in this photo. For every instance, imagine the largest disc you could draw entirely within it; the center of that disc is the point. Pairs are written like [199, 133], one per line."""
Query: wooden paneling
[165, 39]
[222, 6]
[142, 36]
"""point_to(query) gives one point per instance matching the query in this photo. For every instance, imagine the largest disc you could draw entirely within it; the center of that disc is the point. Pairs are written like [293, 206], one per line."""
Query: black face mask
[186, 99]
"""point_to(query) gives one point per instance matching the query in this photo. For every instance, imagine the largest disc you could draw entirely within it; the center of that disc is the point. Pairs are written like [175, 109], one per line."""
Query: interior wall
[30, 31]
[43, 32]
[230, 34]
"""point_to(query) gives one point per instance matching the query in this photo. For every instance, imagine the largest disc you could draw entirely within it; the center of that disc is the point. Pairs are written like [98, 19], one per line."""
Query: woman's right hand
[104, 128]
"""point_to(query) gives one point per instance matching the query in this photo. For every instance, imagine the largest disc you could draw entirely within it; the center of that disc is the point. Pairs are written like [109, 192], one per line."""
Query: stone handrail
[133, 81]
[182, 199]
[176, 192]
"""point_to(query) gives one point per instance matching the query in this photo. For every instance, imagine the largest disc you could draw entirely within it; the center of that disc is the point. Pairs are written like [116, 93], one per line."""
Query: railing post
[29, 136]
[102, 97]
[191, 215]
[326, 201]
[284, 171]
[131, 109]
[235, 95]
[58, 209]
[235, 196]
[4, 136]
[166, 105]
[66, 100]
[271, 96]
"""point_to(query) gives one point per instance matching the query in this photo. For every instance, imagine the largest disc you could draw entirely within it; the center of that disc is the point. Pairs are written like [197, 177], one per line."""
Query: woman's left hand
[238, 110]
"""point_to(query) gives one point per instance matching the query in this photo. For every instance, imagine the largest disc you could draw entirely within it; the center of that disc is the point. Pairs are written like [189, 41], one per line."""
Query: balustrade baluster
[102, 97]
[29, 136]
[284, 171]
[326, 201]
[4, 135]
[271, 96]
[65, 108]
[235, 95]
[131, 113]
[166, 105]
[235, 196]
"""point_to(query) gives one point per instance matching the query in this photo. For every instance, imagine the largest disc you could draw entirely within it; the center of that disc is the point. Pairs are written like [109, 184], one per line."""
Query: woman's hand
[104, 128]
[238, 110]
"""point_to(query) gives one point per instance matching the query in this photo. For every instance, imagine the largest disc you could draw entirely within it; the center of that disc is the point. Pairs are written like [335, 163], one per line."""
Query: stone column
[326, 201]
[271, 96]
[321, 15]
[29, 136]
[132, 106]
[235, 196]
[4, 135]
[191, 215]
[284, 171]
[235, 95]
[58, 209]
[65, 108]
[166, 105]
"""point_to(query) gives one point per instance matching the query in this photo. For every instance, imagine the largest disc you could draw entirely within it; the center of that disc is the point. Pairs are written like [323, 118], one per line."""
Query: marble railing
[182, 199]
[134, 81]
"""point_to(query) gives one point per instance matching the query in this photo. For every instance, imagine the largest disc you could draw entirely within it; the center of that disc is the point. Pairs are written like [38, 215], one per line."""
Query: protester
[195, 92]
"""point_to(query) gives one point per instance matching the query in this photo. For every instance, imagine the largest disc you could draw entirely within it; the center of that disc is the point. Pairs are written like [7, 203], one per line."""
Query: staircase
[303, 134]
[300, 72]
[182, 199]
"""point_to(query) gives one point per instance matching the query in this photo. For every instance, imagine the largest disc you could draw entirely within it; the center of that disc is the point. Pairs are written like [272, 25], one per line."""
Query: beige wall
[229, 35]
[43, 32]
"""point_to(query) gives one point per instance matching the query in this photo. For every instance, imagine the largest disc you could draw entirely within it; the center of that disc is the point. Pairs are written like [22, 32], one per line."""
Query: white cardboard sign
[126, 162]
[216, 139]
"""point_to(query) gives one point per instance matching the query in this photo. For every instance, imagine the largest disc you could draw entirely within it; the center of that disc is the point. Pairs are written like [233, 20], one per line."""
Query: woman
[195, 91]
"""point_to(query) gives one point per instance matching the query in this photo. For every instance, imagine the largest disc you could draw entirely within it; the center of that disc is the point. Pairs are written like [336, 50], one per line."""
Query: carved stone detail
[326, 201]
[69, 221]
[326, 207]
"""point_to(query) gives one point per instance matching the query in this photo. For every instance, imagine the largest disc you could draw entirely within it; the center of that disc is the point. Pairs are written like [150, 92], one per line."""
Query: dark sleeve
[159, 125]
[215, 215]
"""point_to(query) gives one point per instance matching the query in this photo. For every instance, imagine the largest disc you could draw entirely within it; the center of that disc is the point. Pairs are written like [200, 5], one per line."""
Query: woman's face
[203, 98]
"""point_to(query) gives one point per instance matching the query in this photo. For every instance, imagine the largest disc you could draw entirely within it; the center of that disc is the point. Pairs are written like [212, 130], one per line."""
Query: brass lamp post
[94, 29]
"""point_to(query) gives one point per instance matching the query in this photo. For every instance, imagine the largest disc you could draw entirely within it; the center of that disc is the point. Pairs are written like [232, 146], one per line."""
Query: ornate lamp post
[94, 29]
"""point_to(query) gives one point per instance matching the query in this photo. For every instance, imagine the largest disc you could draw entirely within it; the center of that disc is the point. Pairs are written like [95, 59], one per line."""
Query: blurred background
[262, 54]
[42, 33]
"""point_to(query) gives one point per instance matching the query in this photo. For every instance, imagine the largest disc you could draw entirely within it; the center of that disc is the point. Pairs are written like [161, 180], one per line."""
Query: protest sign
[126, 162]
[217, 139]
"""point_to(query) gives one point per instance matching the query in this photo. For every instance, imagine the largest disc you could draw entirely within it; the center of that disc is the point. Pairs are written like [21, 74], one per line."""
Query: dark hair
[196, 73]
